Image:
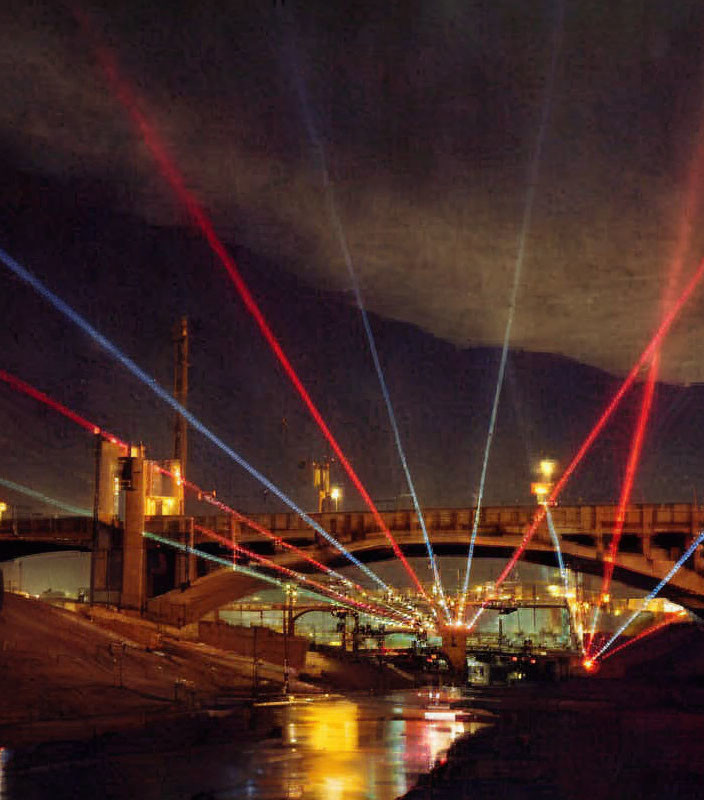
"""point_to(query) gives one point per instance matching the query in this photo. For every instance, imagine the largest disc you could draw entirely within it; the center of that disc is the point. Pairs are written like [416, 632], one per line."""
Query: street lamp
[542, 488]
[547, 468]
[291, 593]
[335, 495]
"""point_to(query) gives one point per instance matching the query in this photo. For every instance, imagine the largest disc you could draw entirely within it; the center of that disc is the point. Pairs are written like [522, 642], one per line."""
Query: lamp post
[291, 593]
[547, 468]
[255, 675]
[543, 488]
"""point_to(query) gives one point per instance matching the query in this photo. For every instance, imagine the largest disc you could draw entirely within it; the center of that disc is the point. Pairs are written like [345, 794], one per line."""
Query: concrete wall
[263, 643]
[134, 629]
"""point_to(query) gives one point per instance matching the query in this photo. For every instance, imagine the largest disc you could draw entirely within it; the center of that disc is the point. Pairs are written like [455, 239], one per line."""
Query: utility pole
[96, 516]
[289, 602]
[255, 676]
[180, 339]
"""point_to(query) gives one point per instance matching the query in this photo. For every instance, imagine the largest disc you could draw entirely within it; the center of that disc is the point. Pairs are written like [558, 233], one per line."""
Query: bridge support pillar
[599, 544]
[698, 557]
[454, 645]
[647, 527]
[698, 561]
[186, 564]
[133, 543]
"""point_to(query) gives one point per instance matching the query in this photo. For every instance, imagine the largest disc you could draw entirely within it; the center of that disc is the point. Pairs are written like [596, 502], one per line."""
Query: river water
[330, 748]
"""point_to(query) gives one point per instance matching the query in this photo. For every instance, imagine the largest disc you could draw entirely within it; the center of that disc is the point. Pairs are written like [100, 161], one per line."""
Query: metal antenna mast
[180, 339]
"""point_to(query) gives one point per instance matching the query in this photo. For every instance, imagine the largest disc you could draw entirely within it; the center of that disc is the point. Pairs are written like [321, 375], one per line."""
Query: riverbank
[575, 756]
[324, 747]
[632, 731]
[65, 677]
[75, 675]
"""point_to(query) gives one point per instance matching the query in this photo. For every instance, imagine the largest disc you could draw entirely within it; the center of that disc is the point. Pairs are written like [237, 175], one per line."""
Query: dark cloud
[428, 112]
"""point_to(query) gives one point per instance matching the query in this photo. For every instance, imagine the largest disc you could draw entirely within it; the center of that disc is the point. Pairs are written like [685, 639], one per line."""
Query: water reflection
[370, 748]
[4, 757]
[319, 749]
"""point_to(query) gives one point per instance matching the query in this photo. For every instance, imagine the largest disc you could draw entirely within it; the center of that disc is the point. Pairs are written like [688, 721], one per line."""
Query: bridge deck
[654, 538]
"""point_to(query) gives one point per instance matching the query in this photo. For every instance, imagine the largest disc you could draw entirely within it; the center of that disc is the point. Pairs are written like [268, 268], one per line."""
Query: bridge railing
[43, 527]
[354, 525]
[660, 531]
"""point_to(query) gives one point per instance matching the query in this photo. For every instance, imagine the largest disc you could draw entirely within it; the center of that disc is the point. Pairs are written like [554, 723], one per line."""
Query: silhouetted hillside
[133, 280]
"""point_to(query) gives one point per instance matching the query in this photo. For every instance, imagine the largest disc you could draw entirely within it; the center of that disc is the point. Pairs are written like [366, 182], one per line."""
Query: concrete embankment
[65, 676]
[72, 674]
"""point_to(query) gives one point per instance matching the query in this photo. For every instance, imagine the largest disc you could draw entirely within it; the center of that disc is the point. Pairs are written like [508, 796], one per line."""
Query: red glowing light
[175, 179]
[21, 386]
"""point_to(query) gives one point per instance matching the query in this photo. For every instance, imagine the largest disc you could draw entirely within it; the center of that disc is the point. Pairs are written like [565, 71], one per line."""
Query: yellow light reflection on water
[333, 726]
[4, 756]
[332, 740]
[361, 750]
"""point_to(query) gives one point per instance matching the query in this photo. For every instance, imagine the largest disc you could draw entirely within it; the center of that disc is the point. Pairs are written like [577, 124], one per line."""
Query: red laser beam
[208, 498]
[645, 356]
[676, 618]
[626, 489]
[631, 466]
[291, 573]
[175, 179]
[684, 236]
[25, 388]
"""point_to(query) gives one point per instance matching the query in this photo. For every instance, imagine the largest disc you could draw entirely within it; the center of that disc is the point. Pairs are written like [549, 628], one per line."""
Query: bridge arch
[655, 536]
[637, 570]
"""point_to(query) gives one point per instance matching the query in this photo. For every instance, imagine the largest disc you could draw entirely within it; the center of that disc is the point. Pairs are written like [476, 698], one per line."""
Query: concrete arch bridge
[654, 537]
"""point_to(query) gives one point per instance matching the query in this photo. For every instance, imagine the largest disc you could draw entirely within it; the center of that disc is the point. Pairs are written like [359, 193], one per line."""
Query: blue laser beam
[43, 498]
[84, 512]
[252, 573]
[644, 602]
[517, 272]
[558, 550]
[63, 307]
[338, 227]
[561, 565]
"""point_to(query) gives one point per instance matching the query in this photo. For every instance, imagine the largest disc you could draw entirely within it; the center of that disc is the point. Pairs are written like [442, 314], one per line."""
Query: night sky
[427, 113]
